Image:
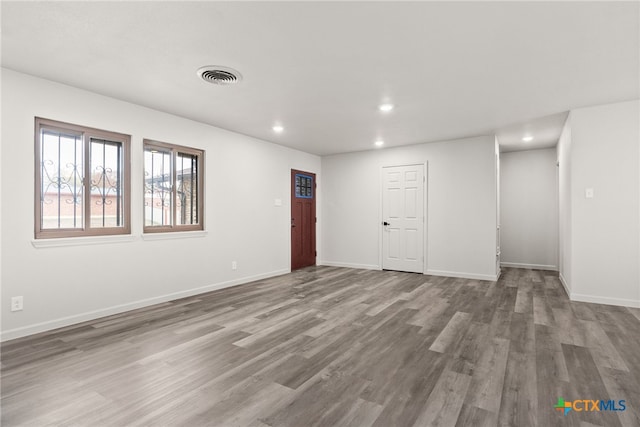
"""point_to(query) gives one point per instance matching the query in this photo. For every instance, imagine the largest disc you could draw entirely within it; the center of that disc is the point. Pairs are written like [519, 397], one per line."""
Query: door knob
[385, 223]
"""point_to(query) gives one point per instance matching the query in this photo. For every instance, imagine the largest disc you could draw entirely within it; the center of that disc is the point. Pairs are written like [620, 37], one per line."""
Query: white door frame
[425, 215]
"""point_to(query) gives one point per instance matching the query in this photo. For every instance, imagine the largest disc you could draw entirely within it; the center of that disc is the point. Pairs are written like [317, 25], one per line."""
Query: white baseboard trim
[350, 265]
[565, 285]
[96, 314]
[623, 302]
[490, 277]
[531, 266]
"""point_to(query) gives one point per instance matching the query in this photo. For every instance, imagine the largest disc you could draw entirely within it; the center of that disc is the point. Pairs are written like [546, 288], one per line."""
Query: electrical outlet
[234, 265]
[17, 303]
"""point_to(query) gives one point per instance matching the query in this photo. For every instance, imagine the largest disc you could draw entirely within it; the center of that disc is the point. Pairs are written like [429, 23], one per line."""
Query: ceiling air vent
[219, 75]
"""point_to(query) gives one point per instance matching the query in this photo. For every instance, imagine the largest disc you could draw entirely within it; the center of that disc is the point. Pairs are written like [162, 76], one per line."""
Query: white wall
[461, 206]
[529, 209]
[564, 205]
[605, 144]
[64, 285]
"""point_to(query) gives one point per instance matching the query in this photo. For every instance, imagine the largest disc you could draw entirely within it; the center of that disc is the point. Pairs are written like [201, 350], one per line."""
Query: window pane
[157, 187]
[106, 184]
[187, 189]
[304, 186]
[61, 180]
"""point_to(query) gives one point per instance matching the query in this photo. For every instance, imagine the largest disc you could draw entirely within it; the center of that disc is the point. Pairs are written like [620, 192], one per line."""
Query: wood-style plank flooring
[329, 346]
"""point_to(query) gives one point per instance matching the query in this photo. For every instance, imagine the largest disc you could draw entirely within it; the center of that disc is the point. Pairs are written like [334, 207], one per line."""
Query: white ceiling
[545, 132]
[321, 69]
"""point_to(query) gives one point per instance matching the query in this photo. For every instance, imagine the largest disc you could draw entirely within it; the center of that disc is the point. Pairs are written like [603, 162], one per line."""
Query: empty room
[320, 213]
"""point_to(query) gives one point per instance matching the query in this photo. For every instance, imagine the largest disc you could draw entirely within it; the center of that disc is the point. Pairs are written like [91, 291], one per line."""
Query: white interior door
[403, 218]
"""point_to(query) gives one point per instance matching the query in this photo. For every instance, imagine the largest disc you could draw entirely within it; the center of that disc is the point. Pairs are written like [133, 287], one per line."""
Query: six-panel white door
[403, 218]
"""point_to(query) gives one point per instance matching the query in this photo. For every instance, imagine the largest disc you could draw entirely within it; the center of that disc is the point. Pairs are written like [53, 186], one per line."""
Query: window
[173, 188]
[82, 181]
[304, 189]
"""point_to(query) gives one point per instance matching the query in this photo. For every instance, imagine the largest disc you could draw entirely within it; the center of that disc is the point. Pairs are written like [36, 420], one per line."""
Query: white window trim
[124, 238]
[82, 241]
[175, 235]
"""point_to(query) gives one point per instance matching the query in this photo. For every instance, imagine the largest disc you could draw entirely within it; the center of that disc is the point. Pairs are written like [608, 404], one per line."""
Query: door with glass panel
[303, 219]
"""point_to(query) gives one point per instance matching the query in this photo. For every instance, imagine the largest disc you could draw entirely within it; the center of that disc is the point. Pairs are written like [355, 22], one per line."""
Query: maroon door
[303, 219]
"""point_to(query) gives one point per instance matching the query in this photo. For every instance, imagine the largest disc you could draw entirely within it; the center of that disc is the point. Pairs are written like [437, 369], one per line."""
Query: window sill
[82, 241]
[174, 235]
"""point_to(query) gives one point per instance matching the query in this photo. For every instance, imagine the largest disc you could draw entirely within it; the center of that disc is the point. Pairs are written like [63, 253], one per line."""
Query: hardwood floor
[334, 346]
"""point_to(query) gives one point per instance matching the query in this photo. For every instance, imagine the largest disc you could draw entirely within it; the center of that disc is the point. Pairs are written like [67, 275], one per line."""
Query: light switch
[277, 202]
[588, 193]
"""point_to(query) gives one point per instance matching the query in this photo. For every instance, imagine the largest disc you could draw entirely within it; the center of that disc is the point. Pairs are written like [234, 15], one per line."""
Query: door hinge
[316, 220]
[316, 253]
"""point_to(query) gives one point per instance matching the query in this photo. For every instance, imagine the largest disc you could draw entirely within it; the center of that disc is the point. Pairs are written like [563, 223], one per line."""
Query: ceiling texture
[321, 69]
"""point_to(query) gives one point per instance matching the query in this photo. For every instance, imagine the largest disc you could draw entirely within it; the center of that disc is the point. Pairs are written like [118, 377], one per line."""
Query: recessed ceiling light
[385, 108]
[379, 143]
[278, 128]
[527, 138]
